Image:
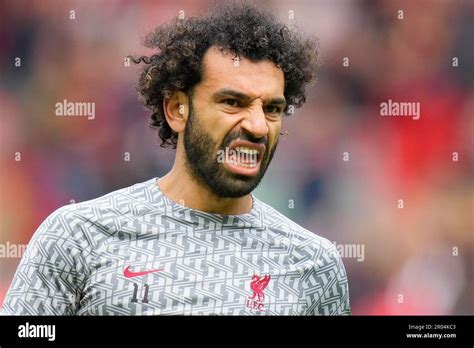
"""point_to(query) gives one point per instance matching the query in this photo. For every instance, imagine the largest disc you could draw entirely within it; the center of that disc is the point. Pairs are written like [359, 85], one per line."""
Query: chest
[192, 273]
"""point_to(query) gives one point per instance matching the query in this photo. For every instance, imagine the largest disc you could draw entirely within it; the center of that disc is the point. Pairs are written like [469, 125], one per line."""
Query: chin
[235, 188]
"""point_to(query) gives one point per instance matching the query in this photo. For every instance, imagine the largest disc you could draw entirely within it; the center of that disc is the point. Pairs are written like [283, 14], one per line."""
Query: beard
[204, 167]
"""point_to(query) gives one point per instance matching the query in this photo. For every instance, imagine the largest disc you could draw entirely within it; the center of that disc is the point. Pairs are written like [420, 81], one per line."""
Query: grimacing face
[234, 123]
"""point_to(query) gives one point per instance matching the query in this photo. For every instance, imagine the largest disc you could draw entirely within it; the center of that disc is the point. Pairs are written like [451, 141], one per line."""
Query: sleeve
[50, 275]
[326, 285]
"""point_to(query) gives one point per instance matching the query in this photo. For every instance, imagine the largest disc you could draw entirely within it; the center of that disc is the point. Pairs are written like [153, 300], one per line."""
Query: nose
[255, 123]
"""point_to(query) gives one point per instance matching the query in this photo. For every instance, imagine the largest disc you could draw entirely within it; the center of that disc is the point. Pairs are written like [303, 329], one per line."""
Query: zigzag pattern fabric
[136, 252]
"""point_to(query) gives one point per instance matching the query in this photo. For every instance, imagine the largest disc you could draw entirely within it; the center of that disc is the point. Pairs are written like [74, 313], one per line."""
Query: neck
[179, 186]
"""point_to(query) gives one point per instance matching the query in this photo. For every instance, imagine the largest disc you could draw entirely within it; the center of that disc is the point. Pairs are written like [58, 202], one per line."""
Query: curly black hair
[240, 29]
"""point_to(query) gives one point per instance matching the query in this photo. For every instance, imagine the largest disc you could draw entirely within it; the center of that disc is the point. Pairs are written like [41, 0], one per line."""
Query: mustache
[244, 136]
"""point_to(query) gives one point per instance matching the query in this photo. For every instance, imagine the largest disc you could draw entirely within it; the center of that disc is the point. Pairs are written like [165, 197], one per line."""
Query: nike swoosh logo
[129, 274]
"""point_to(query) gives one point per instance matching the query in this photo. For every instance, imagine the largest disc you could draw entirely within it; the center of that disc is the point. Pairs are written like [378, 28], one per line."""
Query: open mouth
[244, 158]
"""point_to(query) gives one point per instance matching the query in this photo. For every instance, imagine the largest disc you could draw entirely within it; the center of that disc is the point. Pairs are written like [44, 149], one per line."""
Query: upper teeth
[246, 150]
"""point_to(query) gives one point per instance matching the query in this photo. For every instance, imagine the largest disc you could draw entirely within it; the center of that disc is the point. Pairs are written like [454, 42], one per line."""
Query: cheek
[274, 133]
[212, 123]
[227, 126]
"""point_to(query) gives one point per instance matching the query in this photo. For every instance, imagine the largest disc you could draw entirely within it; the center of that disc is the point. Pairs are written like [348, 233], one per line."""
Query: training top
[136, 252]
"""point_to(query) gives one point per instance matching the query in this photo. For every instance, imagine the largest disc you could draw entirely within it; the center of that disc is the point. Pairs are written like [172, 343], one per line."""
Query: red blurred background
[417, 259]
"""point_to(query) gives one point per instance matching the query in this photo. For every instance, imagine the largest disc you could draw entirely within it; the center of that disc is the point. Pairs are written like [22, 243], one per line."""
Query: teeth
[246, 150]
[245, 165]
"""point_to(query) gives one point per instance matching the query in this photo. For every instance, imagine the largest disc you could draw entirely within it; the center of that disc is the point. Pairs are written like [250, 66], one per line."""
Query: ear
[176, 110]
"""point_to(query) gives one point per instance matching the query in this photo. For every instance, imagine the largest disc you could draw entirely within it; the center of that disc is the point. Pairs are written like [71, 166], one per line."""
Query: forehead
[260, 78]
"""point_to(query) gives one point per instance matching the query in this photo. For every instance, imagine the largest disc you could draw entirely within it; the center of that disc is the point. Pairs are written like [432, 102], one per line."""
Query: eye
[231, 102]
[273, 109]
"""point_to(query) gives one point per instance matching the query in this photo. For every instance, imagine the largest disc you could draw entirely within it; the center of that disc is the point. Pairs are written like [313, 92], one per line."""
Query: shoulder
[314, 245]
[103, 215]
[320, 265]
[123, 201]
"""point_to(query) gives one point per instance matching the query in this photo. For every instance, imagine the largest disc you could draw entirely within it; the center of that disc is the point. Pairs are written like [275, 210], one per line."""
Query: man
[195, 241]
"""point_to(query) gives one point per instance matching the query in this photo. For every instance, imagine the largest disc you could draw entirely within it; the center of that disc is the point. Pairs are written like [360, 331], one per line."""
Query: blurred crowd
[399, 187]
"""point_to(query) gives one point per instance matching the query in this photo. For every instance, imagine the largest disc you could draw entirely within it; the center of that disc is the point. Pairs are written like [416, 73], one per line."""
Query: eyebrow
[226, 92]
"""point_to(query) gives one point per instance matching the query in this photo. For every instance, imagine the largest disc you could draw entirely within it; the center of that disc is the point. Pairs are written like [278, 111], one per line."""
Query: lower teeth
[252, 160]
[244, 165]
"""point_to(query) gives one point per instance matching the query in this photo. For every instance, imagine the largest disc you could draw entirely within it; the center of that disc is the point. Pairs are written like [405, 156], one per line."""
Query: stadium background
[423, 251]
